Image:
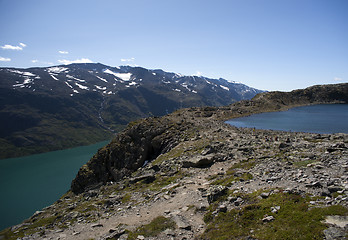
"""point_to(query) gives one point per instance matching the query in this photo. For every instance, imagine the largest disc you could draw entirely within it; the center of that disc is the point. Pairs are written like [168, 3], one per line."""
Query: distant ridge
[51, 108]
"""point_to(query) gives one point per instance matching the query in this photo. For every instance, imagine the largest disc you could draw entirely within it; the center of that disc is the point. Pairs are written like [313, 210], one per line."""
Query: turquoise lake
[33, 182]
[323, 118]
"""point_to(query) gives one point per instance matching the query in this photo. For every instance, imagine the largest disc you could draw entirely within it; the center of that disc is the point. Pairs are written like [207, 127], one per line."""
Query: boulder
[199, 161]
[213, 193]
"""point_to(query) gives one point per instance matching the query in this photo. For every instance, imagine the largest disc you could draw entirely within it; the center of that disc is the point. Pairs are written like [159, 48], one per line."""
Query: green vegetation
[29, 229]
[233, 175]
[126, 198]
[185, 148]
[245, 164]
[155, 227]
[160, 182]
[304, 163]
[294, 219]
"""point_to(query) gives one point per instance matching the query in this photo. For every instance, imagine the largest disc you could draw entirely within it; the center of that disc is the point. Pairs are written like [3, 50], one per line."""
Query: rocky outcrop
[134, 147]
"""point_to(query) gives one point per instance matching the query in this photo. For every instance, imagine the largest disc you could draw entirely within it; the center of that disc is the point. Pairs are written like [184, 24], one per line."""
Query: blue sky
[267, 44]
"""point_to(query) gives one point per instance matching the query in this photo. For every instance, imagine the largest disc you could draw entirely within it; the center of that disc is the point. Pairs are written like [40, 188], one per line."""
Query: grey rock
[231, 199]
[198, 161]
[215, 192]
[114, 234]
[333, 189]
[148, 178]
[169, 232]
[222, 208]
[284, 145]
[268, 219]
[238, 202]
[264, 195]
[96, 225]
[334, 233]
[314, 185]
[275, 209]
[181, 223]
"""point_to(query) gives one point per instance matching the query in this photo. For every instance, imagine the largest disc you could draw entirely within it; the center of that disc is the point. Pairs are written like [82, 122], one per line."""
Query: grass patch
[294, 220]
[152, 229]
[233, 175]
[304, 163]
[186, 148]
[244, 164]
[27, 229]
[126, 198]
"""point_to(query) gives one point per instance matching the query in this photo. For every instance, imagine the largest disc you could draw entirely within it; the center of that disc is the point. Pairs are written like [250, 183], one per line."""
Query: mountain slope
[51, 108]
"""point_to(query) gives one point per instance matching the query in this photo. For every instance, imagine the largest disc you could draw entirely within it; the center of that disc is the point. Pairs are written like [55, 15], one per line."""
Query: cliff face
[140, 143]
[146, 139]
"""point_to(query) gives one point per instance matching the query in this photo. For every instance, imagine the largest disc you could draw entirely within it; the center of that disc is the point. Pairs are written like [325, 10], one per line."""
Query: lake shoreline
[318, 118]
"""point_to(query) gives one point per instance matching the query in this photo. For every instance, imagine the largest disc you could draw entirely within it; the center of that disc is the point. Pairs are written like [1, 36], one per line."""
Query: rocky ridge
[188, 174]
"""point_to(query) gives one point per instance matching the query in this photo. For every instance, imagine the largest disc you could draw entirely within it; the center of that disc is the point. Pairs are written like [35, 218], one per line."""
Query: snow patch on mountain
[27, 74]
[226, 88]
[69, 85]
[103, 79]
[54, 77]
[74, 78]
[123, 76]
[57, 70]
[100, 88]
[81, 86]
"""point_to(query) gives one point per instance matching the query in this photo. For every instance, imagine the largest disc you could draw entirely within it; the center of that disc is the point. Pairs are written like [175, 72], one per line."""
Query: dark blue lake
[30, 183]
[323, 118]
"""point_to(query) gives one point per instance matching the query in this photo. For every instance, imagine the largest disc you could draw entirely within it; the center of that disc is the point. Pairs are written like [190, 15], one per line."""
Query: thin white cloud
[338, 79]
[63, 52]
[127, 59]
[2, 59]
[41, 62]
[82, 60]
[11, 47]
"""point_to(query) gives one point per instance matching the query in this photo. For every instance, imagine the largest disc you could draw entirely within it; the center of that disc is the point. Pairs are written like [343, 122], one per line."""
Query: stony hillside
[188, 175]
[43, 109]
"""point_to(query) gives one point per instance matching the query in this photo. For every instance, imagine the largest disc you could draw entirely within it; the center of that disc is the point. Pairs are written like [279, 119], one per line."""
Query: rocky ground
[189, 175]
[182, 184]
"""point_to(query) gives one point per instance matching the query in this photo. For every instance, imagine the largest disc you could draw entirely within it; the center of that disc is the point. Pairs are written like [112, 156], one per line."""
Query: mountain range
[51, 108]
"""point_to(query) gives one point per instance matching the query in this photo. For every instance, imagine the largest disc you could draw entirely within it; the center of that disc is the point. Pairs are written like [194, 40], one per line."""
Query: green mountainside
[45, 109]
